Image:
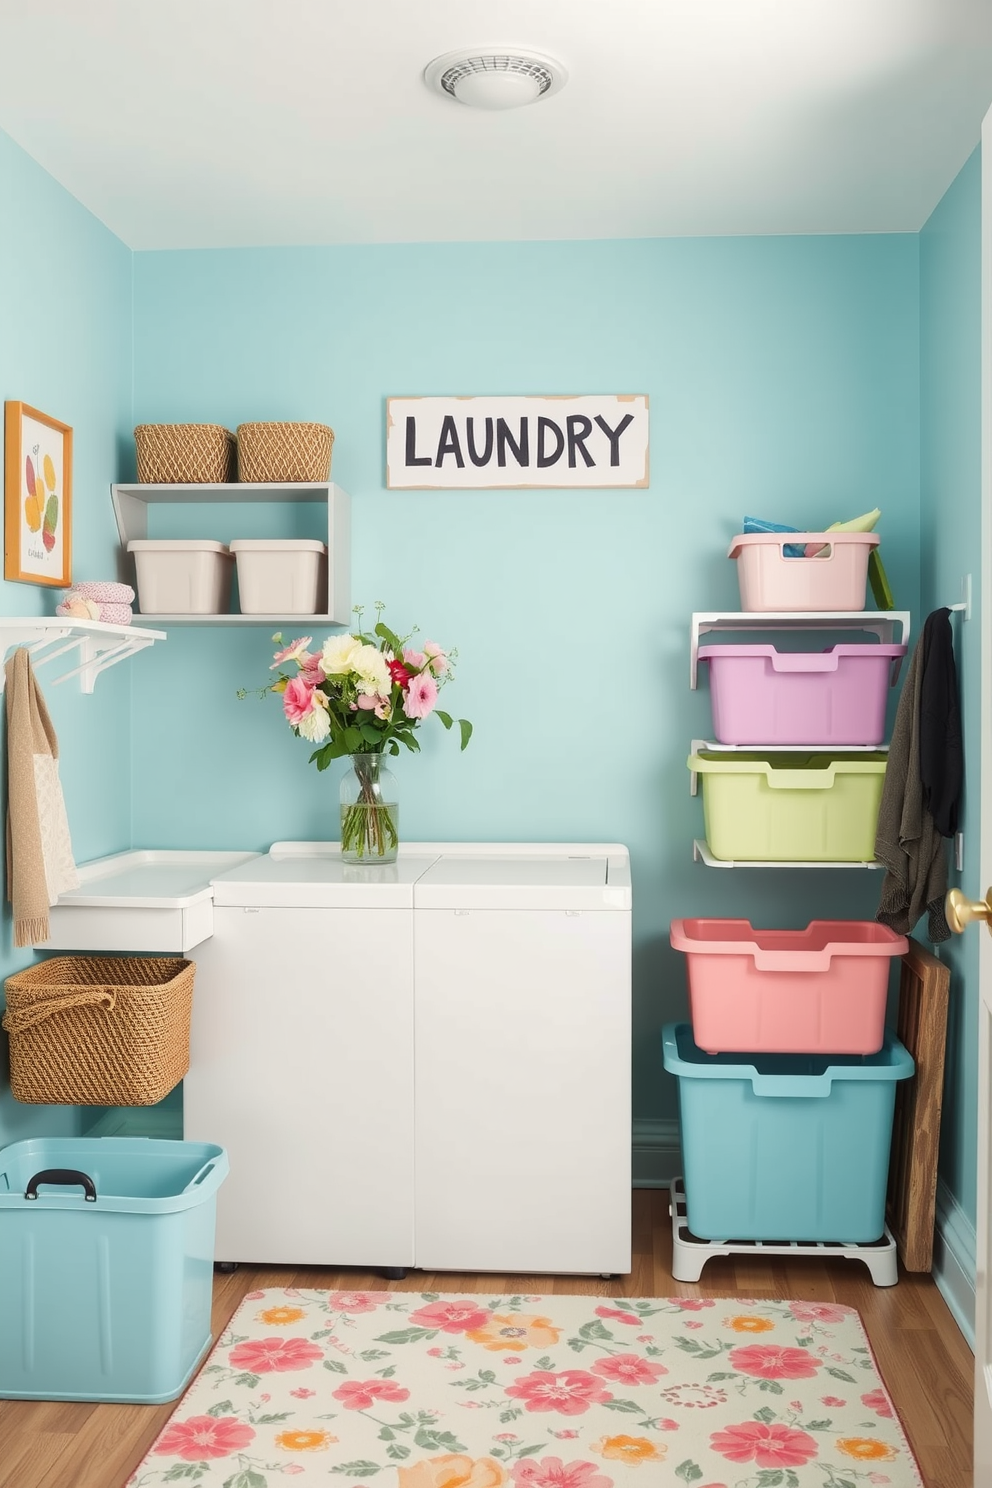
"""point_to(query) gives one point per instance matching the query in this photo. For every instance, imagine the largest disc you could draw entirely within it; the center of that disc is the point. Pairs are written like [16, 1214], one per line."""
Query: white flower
[369, 665]
[315, 725]
[337, 657]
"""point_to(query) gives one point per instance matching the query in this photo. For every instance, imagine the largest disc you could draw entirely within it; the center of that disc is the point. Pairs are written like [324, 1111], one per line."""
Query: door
[302, 1068]
[523, 1090]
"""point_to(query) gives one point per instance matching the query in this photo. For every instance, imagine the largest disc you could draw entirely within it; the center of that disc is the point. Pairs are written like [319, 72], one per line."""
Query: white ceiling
[210, 123]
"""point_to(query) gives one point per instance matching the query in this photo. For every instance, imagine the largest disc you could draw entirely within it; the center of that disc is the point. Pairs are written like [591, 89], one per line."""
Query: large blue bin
[785, 1146]
[105, 1297]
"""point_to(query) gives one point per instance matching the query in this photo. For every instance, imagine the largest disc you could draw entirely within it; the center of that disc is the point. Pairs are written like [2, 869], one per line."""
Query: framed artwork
[37, 527]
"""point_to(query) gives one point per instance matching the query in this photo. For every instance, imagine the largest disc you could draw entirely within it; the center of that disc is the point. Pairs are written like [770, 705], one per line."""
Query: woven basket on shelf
[99, 1030]
[185, 454]
[284, 452]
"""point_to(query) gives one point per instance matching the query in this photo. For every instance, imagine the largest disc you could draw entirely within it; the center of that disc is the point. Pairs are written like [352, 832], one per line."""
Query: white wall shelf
[96, 644]
[131, 503]
[702, 854]
[880, 623]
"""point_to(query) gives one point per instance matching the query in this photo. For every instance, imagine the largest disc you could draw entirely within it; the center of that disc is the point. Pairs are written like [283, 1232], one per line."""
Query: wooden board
[922, 1027]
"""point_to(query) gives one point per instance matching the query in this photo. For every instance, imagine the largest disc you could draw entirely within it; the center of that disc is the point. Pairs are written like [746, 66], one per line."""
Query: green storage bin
[793, 808]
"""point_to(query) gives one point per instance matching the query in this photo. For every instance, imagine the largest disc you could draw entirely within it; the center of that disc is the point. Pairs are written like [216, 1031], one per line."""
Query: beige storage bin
[185, 454]
[281, 576]
[182, 576]
[284, 452]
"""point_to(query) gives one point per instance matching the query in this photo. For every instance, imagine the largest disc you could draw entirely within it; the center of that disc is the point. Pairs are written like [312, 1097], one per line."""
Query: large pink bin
[821, 990]
[764, 696]
[834, 579]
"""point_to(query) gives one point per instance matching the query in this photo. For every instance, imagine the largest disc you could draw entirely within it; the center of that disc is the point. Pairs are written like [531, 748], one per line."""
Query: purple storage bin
[764, 696]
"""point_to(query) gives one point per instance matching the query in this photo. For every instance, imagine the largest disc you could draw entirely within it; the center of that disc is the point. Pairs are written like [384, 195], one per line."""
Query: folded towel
[40, 864]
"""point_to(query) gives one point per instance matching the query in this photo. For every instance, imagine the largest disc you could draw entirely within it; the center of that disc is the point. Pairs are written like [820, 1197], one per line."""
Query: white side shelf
[96, 644]
[131, 503]
[881, 623]
[702, 854]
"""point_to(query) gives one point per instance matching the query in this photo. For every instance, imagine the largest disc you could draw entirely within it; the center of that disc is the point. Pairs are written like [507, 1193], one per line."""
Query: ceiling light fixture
[495, 77]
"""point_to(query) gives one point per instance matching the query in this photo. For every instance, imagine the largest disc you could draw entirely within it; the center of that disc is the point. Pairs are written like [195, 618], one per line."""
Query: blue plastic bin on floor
[105, 1298]
[785, 1146]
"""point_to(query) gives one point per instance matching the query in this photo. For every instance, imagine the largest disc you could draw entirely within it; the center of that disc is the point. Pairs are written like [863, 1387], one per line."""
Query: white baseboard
[656, 1156]
[954, 1260]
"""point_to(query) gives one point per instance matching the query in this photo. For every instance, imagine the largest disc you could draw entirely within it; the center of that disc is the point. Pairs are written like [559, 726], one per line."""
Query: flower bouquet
[363, 695]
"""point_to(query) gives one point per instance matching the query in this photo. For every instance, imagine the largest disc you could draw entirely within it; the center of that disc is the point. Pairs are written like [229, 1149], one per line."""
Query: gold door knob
[960, 911]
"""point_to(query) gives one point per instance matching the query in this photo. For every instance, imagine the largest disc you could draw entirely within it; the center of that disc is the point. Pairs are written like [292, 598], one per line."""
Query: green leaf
[511, 1414]
[249, 1381]
[765, 1414]
[223, 1409]
[626, 1406]
[772, 1387]
[185, 1470]
[392, 641]
[406, 1335]
[817, 1425]
[770, 1478]
[270, 1420]
[359, 1469]
[688, 1471]
[445, 718]
[370, 1354]
[370, 733]
[791, 1480]
[487, 1376]
[839, 1374]
[335, 1366]
[721, 1374]
[466, 729]
[387, 1434]
[689, 1345]
[397, 1451]
[433, 1439]
[247, 1478]
[594, 1330]
[386, 1373]
[546, 1363]
[529, 1451]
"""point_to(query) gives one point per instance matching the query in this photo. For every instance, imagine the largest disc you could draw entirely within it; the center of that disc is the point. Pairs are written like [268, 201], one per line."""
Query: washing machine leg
[394, 1273]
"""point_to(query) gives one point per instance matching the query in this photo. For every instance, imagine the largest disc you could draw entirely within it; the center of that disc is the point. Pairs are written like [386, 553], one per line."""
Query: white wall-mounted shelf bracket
[701, 854]
[96, 644]
[880, 623]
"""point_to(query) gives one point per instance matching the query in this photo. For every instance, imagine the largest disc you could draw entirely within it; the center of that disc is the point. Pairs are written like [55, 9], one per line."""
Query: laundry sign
[487, 443]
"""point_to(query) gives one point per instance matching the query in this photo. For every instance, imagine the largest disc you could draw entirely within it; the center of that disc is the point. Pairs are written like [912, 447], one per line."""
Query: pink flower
[420, 696]
[450, 1317]
[834, 1401]
[356, 1301]
[667, 1425]
[692, 1325]
[552, 1472]
[254, 1296]
[295, 651]
[200, 1437]
[693, 1304]
[819, 1312]
[630, 1318]
[297, 700]
[766, 1444]
[565, 1435]
[292, 1467]
[879, 1402]
[268, 1355]
[771, 1361]
[359, 1394]
[369, 700]
[570, 1393]
[629, 1369]
[435, 1353]
[512, 1435]
[439, 661]
[414, 660]
[302, 1394]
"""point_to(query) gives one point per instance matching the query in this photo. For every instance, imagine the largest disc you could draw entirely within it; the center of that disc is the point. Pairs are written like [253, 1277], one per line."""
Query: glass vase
[370, 811]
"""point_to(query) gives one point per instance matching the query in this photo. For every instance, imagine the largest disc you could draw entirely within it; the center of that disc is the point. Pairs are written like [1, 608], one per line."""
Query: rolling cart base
[690, 1254]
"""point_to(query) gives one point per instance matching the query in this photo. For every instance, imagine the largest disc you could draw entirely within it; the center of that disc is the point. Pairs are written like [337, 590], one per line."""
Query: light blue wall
[784, 381]
[950, 529]
[65, 347]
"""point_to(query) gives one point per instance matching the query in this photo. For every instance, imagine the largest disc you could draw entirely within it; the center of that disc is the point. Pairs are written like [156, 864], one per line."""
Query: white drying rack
[97, 644]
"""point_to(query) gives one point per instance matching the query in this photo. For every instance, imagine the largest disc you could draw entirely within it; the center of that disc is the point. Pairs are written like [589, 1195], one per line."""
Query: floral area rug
[420, 1390]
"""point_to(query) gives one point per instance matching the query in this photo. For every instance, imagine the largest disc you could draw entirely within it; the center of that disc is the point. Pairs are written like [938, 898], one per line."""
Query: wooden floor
[924, 1360]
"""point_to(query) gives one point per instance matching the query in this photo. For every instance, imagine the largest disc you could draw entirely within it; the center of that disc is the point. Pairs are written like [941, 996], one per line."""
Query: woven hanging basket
[99, 1030]
[185, 454]
[284, 452]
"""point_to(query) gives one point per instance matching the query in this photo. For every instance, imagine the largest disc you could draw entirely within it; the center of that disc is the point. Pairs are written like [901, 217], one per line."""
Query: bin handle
[19, 1020]
[203, 1174]
[62, 1175]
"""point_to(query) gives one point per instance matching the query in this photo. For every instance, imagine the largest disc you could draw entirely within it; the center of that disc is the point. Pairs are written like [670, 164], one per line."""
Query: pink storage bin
[760, 695]
[821, 990]
[834, 580]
